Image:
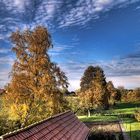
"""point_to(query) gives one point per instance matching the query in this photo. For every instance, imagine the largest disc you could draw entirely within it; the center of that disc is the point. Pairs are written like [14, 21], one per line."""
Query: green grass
[132, 128]
[97, 118]
[130, 124]
[125, 111]
[126, 108]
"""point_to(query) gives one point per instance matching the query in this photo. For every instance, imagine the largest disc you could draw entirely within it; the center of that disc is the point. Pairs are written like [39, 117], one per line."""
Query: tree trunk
[88, 113]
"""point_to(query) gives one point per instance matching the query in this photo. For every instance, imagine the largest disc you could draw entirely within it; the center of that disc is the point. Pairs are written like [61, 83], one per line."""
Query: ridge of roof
[32, 125]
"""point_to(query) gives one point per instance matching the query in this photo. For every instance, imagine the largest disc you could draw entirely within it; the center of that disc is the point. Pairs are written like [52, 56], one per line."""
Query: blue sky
[84, 32]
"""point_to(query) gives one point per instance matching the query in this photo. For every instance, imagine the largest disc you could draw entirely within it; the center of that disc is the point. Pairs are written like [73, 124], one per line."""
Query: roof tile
[64, 126]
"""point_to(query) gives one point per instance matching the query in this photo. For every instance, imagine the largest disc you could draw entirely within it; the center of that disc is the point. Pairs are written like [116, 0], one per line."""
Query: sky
[103, 33]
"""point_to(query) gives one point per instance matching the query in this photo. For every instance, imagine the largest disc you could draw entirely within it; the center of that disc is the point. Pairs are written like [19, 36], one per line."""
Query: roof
[1, 91]
[64, 126]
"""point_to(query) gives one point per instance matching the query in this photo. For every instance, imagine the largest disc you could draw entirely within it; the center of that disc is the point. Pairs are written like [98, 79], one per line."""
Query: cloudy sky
[84, 32]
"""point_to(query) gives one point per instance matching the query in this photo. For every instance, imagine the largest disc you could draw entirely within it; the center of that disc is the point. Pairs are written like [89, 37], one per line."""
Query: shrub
[137, 115]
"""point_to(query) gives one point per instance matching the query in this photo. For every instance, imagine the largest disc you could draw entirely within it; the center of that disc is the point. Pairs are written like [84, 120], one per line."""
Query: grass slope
[123, 111]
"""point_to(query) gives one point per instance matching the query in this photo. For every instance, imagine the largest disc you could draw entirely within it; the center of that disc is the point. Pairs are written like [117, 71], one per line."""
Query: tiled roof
[64, 126]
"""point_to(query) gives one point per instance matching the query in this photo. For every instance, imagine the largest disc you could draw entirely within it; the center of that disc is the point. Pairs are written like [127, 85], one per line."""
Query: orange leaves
[35, 80]
[93, 88]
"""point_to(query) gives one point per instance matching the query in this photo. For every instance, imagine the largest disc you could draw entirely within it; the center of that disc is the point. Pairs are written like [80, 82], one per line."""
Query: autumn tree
[96, 96]
[137, 94]
[132, 95]
[99, 88]
[112, 93]
[118, 95]
[123, 92]
[34, 90]
[87, 78]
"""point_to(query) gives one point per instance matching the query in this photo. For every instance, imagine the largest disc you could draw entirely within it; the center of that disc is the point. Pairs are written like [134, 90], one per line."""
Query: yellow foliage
[33, 92]
[18, 112]
[137, 115]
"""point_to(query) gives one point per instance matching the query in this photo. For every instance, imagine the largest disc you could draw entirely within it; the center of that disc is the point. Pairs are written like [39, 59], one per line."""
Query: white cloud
[46, 12]
[101, 4]
[19, 13]
[6, 63]
[59, 49]
[4, 77]
[85, 10]
[132, 81]
[120, 71]
[138, 7]
[129, 82]
[74, 84]
[19, 3]
[7, 60]
[16, 5]
[4, 50]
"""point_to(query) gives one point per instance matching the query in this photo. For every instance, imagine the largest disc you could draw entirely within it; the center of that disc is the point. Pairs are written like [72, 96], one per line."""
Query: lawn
[98, 118]
[132, 128]
[130, 124]
[123, 111]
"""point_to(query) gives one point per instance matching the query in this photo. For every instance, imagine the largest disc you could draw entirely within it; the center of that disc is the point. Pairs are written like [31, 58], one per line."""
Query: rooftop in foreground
[64, 126]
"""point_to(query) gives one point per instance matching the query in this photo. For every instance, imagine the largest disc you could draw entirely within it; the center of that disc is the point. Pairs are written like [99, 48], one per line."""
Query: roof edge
[32, 125]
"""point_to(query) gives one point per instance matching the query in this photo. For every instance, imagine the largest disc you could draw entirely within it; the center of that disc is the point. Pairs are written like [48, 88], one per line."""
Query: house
[64, 126]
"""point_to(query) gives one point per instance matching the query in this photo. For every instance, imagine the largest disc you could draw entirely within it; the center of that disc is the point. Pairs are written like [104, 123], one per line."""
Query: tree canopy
[34, 90]
[95, 94]
[87, 78]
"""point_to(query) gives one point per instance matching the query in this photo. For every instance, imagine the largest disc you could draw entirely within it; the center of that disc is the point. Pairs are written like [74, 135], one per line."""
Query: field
[122, 111]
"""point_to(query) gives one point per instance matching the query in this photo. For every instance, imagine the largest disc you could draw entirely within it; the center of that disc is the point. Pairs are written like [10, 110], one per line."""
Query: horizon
[103, 33]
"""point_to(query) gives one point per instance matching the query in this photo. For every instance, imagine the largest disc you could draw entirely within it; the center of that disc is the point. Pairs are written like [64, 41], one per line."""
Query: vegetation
[122, 111]
[38, 89]
[87, 78]
[131, 95]
[113, 94]
[137, 115]
[34, 91]
[94, 94]
[98, 118]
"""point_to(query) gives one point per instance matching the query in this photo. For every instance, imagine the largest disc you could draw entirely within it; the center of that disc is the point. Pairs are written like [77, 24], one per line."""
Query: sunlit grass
[125, 111]
[125, 108]
[132, 128]
[96, 118]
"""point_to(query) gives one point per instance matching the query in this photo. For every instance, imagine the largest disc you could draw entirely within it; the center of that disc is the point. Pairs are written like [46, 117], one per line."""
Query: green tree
[34, 90]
